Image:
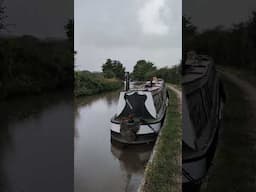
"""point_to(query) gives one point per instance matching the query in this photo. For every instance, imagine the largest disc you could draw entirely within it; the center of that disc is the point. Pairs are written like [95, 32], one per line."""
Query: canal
[36, 143]
[99, 164]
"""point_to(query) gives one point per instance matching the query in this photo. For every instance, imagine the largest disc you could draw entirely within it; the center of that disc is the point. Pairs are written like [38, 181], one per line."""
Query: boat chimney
[127, 81]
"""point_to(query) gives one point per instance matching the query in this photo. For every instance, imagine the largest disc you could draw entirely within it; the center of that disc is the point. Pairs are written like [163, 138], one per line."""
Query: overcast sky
[40, 18]
[127, 31]
[210, 13]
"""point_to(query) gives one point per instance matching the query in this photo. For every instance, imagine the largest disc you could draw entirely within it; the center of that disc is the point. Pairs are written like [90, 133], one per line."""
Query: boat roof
[196, 72]
[146, 85]
[196, 69]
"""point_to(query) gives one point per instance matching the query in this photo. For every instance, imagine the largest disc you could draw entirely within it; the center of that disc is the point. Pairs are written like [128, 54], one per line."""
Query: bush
[30, 65]
[87, 83]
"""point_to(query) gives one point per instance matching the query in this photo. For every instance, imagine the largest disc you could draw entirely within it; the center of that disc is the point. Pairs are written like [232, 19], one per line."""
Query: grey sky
[127, 31]
[210, 13]
[41, 18]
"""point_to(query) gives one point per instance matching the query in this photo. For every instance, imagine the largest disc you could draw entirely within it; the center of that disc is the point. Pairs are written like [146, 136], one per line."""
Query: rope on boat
[151, 128]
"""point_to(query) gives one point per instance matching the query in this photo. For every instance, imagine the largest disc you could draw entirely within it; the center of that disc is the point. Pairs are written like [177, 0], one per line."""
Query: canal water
[99, 164]
[36, 144]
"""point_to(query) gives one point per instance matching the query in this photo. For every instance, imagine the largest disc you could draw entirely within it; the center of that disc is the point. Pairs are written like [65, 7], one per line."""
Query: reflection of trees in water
[112, 98]
[4, 143]
[88, 101]
[17, 110]
[132, 158]
[22, 108]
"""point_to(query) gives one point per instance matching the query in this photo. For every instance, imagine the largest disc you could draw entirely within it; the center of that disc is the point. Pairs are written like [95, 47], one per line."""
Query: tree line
[29, 65]
[112, 76]
[234, 46]
[143, 70]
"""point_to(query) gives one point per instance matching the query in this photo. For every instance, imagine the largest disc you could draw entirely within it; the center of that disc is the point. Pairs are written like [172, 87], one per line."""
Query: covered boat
[140, 112]
[202, 109]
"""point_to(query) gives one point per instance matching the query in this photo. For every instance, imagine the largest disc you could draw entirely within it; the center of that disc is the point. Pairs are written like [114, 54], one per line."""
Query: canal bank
[163, 171]
[234, 164]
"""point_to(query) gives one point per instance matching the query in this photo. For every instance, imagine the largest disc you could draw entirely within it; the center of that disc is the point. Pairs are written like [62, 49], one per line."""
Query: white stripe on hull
[144, 129]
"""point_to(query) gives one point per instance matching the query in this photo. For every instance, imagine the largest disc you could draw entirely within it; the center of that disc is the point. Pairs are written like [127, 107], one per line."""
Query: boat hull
[195, 169]
[140, 139]
[147, 133]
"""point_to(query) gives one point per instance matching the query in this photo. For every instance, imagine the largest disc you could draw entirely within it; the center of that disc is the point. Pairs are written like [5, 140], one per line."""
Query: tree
[118, 69]
[143, 70]
[113, 68]
[189, 32]
[234, 46]
[2, 16]
[107, 69]
[69, 29]
[2, 50]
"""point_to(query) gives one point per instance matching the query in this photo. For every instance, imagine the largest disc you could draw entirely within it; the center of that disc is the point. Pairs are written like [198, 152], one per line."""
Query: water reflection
[36, 144]
[100, 165]
[133, 160]
[4, 141]
[110, 98]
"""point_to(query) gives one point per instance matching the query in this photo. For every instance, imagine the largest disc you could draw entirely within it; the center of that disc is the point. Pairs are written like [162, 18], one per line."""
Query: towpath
[234, 164]
[178, 93]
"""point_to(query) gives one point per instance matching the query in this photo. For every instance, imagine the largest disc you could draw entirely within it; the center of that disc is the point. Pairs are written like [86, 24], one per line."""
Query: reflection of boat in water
[202, 109]
[140, 112]
[133, 160]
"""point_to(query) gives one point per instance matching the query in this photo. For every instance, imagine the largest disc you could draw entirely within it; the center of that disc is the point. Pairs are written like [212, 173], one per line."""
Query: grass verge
[244, 74]
[163, 173]
[234, 165]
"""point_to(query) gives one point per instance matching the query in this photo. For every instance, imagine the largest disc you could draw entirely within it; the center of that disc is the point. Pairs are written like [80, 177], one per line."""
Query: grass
[234, 165]
[163, 173]
[244, 74]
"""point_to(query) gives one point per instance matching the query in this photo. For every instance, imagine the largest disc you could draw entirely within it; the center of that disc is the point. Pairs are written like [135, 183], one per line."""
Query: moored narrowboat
[140, 112]
[203, 99]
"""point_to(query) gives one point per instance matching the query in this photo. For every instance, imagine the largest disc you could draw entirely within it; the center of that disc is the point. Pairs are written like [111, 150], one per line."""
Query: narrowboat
[203, 100]
[140, 112]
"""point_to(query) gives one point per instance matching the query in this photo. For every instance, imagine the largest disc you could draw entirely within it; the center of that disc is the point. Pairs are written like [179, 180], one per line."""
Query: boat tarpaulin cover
[135, 105]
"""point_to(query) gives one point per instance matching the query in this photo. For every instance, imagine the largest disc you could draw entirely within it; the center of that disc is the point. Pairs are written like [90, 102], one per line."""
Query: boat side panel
[144, 129]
